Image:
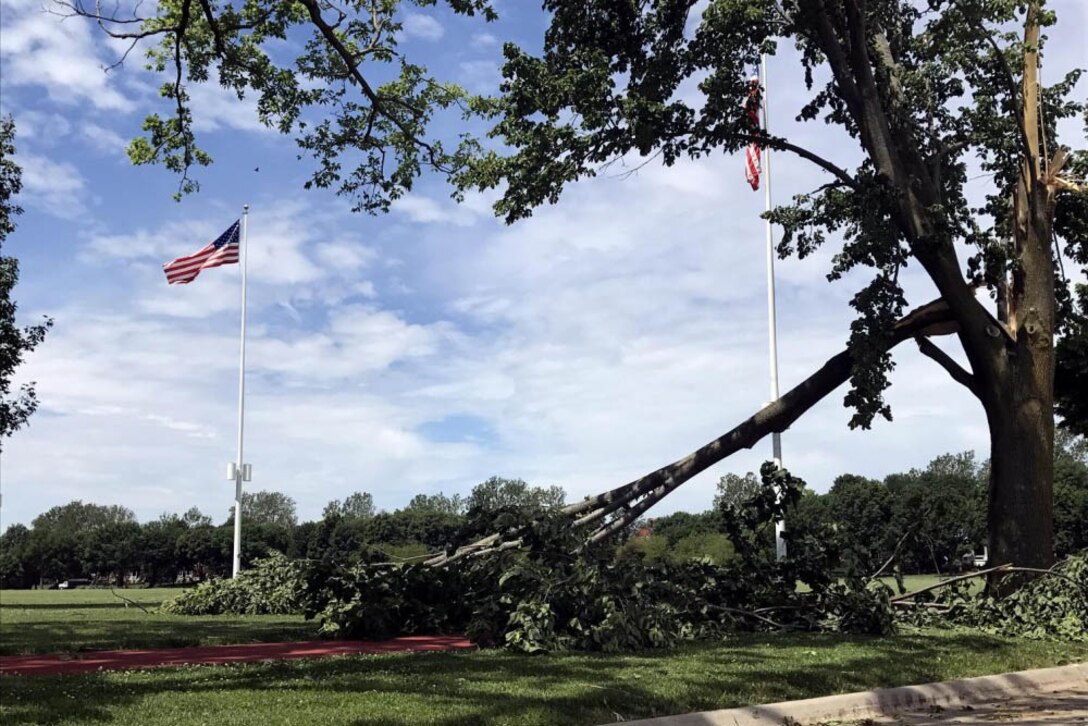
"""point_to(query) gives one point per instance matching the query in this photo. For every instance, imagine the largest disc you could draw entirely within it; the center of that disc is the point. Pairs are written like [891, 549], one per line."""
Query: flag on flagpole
[223, 251]
[752, 155]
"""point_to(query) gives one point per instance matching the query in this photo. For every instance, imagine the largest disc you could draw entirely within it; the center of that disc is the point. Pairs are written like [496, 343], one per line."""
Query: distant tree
[264, 507]
[359, 505]
[680, 525]
[943, 507]
[260, 539]
[1071, 366]
[439, 503]
[714, 546]
[75, 516]
[15, 342]
[733, 490]
[53, 553]
[499, 493]
[112, 551]
[651, 548]
[1070, 494]
[861, 510]
[157, 551]
[198, 550]
[193, 517]
[13, 556]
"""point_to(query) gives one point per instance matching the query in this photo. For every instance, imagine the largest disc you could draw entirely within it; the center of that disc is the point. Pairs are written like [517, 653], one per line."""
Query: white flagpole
[239, 467]
[772, 316]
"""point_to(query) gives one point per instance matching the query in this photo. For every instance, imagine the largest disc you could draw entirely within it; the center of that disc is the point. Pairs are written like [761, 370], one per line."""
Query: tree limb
[131, 602]
[951, 580]
[637, 496]
[954, 369]
[781, 145]
[352, 65]
[895, 552]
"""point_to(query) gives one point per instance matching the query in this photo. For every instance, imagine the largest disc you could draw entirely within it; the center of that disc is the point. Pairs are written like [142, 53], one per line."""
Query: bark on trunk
[1022, 467]
[1019, 397]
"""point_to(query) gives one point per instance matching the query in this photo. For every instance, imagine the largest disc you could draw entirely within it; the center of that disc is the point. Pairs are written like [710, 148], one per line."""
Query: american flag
[223, 251]
[752, 155]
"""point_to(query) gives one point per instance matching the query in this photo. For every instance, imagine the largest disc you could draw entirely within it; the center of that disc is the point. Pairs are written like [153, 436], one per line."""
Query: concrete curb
[887, 701]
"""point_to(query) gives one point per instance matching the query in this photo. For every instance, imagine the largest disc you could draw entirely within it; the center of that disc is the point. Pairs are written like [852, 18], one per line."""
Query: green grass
[59, 621]
[495, 687]
[914, 583]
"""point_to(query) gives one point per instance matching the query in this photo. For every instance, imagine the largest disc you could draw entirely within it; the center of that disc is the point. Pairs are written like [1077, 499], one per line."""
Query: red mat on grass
[49, 665]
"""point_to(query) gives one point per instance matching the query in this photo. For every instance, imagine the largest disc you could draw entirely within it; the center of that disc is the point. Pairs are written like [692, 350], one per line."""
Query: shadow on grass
[500, 687]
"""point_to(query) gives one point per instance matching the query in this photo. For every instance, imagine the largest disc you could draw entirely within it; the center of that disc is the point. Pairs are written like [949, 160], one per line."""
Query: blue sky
[426, 349]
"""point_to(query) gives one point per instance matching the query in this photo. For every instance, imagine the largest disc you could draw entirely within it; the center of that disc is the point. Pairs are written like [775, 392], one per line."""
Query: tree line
[926, 520]
[105, 543]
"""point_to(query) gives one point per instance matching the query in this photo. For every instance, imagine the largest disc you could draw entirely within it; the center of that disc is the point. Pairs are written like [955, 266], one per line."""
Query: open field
[59, 621]
[496, 687]
[917, 582]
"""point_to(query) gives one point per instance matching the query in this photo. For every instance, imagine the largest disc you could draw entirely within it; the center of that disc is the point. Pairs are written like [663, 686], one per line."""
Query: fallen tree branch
[933, 318]
[756, 616]
[951, 580]
[131, 602]
[895, 552]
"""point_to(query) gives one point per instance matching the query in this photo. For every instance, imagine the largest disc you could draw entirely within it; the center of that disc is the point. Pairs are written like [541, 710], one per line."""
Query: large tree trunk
[1019, 395]
[1022, 466]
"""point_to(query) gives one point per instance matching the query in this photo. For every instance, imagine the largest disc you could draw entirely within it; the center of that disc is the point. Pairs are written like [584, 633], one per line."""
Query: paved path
[1043, 697]
[1064, 708]
[28, 665]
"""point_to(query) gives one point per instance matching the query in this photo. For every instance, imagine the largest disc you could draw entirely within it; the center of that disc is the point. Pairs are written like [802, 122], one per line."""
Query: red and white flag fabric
[223, 251]
[752, 155]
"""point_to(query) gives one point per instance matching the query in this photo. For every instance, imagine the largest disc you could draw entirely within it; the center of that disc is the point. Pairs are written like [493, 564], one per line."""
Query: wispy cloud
[55, 187]
[64, 58]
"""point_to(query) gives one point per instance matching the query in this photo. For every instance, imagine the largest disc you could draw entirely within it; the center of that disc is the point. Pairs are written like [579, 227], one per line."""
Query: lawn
[58, 621]
[497, 687]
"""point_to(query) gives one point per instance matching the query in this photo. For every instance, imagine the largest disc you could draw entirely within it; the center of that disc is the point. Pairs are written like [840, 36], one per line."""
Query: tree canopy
[265, 507]
[357, 505]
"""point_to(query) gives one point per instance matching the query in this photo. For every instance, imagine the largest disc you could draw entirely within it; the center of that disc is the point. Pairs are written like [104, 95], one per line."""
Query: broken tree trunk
[632, 500]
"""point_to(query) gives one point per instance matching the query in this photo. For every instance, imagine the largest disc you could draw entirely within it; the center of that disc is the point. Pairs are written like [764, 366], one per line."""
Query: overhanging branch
[781, 145]
[954, 369]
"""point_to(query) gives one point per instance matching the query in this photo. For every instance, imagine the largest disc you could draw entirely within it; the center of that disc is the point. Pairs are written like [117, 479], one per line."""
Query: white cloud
[480, 76]
[484, 40]
[54, 187]
[42, 128]
[216, 108]
[344, 256]
[417, 25]
[357, 340]
[104, 139]
[424, 210]
[63, 56]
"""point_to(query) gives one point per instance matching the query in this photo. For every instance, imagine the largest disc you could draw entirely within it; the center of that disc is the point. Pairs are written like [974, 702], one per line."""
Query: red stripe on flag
[185, 269]
[753, 155]
[222, 251]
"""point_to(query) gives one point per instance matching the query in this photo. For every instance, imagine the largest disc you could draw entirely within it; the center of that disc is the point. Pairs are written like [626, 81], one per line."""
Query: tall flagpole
[239, 468]
[772, 316]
